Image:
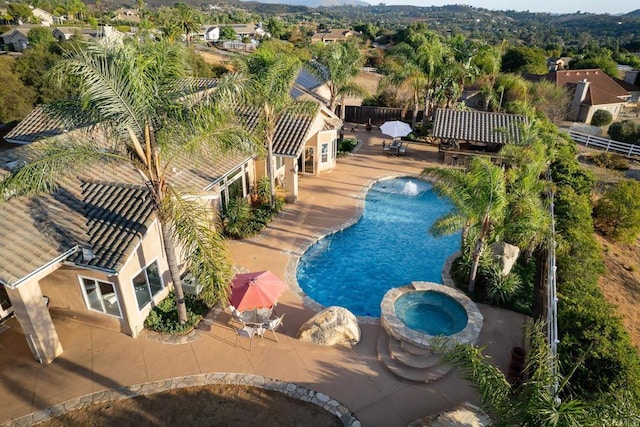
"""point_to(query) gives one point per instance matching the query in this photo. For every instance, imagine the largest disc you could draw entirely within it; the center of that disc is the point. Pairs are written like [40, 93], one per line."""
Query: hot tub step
[428, 360]
[414, 349]
[410, 373]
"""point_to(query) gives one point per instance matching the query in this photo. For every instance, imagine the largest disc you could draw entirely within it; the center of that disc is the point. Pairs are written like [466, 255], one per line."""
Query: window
[147, 284]
[100, 296]
[324, 152]
[335, 149]
[279, 162]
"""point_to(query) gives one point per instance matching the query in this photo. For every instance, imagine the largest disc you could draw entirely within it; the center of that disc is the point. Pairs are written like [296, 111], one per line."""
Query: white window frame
[324, 152]
[85, 296]
[146, 276]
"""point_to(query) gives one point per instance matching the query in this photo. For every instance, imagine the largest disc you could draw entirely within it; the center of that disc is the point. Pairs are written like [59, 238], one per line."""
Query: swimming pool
[390, 246]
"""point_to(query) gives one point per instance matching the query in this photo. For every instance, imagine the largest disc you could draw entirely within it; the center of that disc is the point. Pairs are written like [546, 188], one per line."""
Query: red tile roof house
[591, 90]
[93, 247]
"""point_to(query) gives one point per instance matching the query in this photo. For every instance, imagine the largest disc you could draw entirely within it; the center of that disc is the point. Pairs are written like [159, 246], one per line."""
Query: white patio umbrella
[396, 129]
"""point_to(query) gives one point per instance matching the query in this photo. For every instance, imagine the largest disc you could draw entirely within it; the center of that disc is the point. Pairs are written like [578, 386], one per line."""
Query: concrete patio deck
[96, 359]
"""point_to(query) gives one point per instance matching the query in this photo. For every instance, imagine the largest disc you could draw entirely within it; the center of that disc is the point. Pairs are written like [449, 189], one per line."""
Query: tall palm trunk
[477, 253]
[414, 113]
[170, 253]
[271, 172]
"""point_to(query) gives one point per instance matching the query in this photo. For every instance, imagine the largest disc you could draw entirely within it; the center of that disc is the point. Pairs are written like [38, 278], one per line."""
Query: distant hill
[633, 14]
[316, 3]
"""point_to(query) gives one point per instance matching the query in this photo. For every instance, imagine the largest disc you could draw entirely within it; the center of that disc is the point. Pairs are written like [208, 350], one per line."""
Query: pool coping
[396, 328]
[360, 199]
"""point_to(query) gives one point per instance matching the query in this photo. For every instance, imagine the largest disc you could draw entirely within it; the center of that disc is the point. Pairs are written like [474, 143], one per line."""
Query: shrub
[500, 289]
[164, 316]
[346, 146]
[601, 118]
[618, 212]
[610, 161]
[263, 190]
[241, 220]
[625, 131]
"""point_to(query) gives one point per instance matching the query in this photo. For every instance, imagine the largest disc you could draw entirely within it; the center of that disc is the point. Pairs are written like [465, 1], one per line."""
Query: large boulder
[505, 255]
[333, 325]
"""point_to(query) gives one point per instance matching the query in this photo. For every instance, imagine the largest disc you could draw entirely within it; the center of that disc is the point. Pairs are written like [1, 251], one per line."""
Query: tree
[276, 28]
[479, 198]
[524, 60]
[543, 398]
[40, 35]
[273, 71]
[625, 131]
[227, 33]
[16, 100]
[20, 11]
[618, 212]
[130, 91]
[338, 64]
[187, 19]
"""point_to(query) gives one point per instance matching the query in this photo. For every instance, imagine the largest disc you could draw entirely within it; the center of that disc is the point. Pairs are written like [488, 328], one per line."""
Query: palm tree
[338, 64]
[430, 56]
[186, 18]
[131, 91]
[535, 402]
[406, 75]
[479, 196]
[272, 73]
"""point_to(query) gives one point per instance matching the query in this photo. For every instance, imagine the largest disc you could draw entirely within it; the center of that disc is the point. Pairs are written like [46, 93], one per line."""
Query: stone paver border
[295, 391]
[294, 259]
[397, 329]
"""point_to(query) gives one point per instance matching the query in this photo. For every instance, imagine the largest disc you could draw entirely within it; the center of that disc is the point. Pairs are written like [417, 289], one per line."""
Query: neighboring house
[127, 15]
[16, 39]
[631, 83]
[105, 33]
[590, 90]
[248, 30]
[554, 63]
[332, 36]
[46, 18]
[210, 33]
[93, 247]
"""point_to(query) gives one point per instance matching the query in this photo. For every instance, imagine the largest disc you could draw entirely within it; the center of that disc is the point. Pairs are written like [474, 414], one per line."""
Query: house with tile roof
[93, 247]
[332, 35]
[590, 90]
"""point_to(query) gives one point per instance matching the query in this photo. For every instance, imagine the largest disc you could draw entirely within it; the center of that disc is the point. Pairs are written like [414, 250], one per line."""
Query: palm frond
[194, 225]
[53, 162]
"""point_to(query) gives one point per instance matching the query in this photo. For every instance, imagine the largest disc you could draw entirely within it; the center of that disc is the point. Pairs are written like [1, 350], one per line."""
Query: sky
[552, 6]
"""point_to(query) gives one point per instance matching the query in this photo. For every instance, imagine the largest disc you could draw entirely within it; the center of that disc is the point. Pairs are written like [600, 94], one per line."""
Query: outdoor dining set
[395, 129]
[252, 302]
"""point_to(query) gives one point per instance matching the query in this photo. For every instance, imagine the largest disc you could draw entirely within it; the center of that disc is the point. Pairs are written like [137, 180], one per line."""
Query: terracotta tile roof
[85, 211]
[117, 216]
[602, 88]
[35, 126]
[477, 126]
[292, 131]
[333, 34]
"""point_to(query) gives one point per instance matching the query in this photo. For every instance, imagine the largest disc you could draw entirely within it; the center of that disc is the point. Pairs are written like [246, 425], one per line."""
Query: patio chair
[249, 332]
[272, 325]
[236, 315]
[385, 147]
[402, 149]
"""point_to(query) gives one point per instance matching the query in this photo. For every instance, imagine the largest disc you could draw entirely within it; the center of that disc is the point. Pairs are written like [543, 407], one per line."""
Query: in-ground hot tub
[419, 312]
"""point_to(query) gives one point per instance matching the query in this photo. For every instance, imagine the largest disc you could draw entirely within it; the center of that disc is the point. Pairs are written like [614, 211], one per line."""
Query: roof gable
[597, 78]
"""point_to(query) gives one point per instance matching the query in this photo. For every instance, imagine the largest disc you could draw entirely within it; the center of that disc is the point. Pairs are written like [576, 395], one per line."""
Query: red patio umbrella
[250, 291]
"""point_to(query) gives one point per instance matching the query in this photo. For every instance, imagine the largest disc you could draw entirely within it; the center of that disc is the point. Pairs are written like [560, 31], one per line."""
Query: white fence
[623, 148]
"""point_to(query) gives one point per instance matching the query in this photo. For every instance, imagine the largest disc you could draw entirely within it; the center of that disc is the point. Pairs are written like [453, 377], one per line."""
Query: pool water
[390, 246]
[433, 313]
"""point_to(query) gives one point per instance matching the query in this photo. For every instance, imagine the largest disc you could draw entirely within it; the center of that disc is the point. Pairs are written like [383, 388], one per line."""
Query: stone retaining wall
[292, 390]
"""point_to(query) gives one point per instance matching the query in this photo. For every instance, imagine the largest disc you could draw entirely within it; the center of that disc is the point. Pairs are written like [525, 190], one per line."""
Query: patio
[97, 359]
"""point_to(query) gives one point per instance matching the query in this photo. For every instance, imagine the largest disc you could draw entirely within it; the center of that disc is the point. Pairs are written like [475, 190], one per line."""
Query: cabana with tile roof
[464, 133]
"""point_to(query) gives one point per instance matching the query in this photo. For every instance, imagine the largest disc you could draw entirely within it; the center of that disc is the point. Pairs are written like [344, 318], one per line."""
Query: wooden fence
[378, 115]
[587, 140]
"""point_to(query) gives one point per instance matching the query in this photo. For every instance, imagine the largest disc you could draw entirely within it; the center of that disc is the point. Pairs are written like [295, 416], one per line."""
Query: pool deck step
[422, 375]
[425, 361]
